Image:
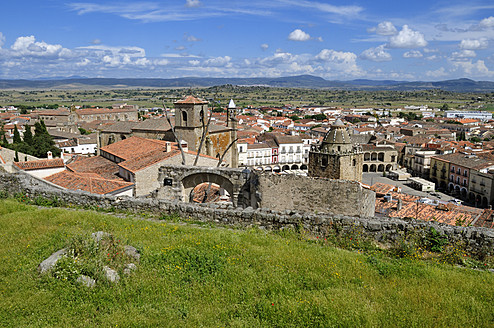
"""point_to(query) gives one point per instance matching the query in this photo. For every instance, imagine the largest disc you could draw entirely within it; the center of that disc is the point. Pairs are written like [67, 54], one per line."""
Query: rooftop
[87, 182]
[133, 147]
[40, 164]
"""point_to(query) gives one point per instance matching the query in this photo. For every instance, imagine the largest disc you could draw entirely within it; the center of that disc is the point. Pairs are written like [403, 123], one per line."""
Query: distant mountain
[300, 81]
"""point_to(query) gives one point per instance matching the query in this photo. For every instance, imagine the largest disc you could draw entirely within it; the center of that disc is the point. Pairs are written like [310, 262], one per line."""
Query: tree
[43, 141]
[17, 137]
[445, 107]
[28, 135]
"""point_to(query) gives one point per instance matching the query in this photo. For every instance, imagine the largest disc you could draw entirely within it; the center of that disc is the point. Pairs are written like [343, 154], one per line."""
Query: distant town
[428, 163]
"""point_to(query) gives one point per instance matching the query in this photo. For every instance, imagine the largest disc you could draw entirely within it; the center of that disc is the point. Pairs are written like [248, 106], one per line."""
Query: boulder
[51, 261]
[99, 235]
[110, 274]
[132, 252]
[86, 281]
[129, 267]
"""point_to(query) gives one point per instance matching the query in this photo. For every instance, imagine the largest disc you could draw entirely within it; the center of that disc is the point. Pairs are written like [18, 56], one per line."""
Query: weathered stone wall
[292, 192]
[381, 229]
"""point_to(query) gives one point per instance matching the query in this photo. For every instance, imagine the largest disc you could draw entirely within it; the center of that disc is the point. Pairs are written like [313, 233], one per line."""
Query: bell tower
[190, 116]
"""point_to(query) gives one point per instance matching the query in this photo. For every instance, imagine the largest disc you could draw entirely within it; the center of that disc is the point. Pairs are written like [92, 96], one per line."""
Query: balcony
[482, 183]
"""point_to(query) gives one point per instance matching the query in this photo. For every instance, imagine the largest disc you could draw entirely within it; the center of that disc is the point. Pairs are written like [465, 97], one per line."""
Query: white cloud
[320, 39]
[384, 28]
[407, 38]
[192, 38]
[194, 62]
[28, 46]
[2, 39]
[298, 35]
[218, 62]
[192, 3]
[330, 55]
[487, 22]
[264, 46]
[474, 68]
[440, 72]
[472, 44]
[463, 55]
[180, 48]
[413, 54]
[338, 63]
[377, 54]
[96, 41]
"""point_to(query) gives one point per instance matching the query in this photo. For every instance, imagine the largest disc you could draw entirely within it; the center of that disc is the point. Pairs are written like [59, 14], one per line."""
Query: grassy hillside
[193, 276]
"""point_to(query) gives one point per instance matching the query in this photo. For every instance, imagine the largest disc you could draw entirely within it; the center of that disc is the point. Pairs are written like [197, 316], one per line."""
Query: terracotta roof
[133, 147]
[40, 164]
[190, 100]
[120, 127]
[147, 159]
[87, 182]
[94, 111]
[96, 164]
[158, 124]
[465, 160]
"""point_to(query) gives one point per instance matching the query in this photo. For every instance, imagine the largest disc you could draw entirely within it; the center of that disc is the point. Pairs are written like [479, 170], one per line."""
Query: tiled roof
[87, 182]
[369, 147]
[147, 159]
[120, 127]
[465, 160]
[94, 111]
[158, 124]
[191, 100]
[133, 147]
[382, 188]
[96, 164]
[40, 164]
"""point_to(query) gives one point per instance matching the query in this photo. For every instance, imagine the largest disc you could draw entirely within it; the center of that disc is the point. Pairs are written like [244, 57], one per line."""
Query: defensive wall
[267, 190]
[317, 224]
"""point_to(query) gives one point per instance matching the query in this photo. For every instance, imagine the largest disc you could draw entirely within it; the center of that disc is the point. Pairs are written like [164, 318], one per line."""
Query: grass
[191, 276]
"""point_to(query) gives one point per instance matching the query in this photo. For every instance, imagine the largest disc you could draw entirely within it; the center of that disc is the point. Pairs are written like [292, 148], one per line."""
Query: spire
[232, 104]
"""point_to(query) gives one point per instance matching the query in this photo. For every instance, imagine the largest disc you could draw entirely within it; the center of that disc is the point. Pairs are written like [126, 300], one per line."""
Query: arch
[478, 200]
[365, 168]
[294, 167]
[303, 167]
[208, 193]
[193, 180]
[380, 168]
[451, 187]
[184, 118]
[389, 167]
[442, 185]
[367, 156]
[484, 202]
[372, 168]
[463, 193]
[260, 168]
[277, 169]
[285, 168]
[268, 169]
[471, 197]
[123, 137]
[380, 157]
[374, 157]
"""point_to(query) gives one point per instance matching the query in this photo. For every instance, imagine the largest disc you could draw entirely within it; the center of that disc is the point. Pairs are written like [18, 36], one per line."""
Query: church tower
[190, 116]
[231, 122]
[336, 157]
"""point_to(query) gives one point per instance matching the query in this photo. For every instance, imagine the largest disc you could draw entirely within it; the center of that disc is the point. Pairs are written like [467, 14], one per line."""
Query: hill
[192, 276]
[300, 81]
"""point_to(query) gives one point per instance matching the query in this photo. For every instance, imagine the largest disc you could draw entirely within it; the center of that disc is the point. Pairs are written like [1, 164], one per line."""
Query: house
[41, 168]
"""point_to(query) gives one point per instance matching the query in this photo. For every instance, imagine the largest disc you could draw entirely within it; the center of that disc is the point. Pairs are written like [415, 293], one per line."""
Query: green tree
[43, 141]
[16, 156]
[28, 135]
[17, 137]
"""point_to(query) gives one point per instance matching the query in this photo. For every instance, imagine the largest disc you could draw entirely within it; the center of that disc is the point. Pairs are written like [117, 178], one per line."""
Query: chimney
[184, 144]
[399, 205]
[50, 155]
[168, 147]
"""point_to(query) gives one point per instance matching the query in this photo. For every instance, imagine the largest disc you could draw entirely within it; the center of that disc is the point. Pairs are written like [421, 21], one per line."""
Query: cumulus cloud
[219, 62]
[192, 3]
[407, 38]
[28, 46]
[384, 28]
[264, 46]
[298, 35]
[474, 44]
[191, 38]
[463, 55]
[339, 62]
[377, 54]
[413, 54]
[474, 68]
[2, 39]
[440, 72]
[487, 22]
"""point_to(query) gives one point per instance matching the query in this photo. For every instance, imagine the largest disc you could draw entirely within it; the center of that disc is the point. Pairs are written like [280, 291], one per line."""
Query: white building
[480, 115]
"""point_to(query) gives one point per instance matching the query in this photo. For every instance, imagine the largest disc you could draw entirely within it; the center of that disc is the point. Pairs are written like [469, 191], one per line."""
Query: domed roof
[337, 134]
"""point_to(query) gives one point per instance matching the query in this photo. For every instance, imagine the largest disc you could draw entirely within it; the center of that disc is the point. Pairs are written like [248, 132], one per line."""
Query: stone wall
[286, 192]
[381, 229]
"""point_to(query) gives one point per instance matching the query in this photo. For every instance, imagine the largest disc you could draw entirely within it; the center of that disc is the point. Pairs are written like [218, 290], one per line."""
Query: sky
[336, 40]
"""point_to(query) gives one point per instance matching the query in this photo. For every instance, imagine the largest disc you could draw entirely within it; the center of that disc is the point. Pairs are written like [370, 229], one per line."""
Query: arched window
[184, 118]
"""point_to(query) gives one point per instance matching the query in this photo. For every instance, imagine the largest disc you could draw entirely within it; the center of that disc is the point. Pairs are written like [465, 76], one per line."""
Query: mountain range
[300, 81]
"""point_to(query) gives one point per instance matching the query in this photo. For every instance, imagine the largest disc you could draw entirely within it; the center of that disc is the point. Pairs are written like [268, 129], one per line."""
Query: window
[184, 118]
[324, 161]
[168, 182]
[354, 162]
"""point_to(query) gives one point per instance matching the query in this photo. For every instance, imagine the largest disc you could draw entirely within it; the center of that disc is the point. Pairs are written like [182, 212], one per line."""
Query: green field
[249, 96]
[202, 276]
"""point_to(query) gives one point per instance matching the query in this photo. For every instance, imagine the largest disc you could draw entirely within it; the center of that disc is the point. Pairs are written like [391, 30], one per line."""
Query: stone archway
[285, 168]
[303, 167]
[372, 168]
[294, 167]
[389, 167]
[365, 168]
[380, 168]
[192, 181]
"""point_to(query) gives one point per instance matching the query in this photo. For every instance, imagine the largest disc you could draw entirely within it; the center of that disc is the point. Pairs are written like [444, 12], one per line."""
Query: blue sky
[344, 40]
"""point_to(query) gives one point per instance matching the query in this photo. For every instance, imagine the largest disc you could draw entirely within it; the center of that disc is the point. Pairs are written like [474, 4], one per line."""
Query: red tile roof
[191, 100]
[40, 164]
[87, 182]
[96, 164]
[133, 147]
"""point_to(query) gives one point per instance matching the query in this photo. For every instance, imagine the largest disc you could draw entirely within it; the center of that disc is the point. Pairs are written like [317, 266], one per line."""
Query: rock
[129, 268]
[132, 252]
[51, 261]
[97, 236]
[110, 274]
[86, 281]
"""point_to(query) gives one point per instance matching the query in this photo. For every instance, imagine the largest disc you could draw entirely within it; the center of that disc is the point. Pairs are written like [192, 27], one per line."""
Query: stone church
[191, 116]
[336, 157]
